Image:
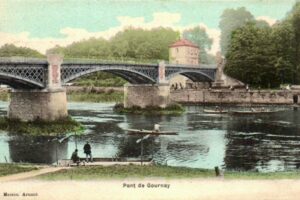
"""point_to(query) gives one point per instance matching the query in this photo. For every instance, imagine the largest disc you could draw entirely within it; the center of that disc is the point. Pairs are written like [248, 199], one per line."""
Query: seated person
[75, 157]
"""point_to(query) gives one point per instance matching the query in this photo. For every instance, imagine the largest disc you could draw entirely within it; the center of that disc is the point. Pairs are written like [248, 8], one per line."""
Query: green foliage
[199, 36]
[130, 44]
[4, 96]
[261, 175]
[8, 168]
[232, 19]
[137, 45]
[173, 109]
[264, 56]
[129, 171]
[100, 79]
[38, 127]
[96, 97]
[10, 50]
[249, 58]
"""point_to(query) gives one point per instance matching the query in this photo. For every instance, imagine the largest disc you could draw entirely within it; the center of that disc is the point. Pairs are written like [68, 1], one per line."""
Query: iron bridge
[21, 73]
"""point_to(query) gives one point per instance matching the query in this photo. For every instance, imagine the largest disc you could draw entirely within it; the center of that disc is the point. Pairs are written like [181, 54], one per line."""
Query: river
[269, 142]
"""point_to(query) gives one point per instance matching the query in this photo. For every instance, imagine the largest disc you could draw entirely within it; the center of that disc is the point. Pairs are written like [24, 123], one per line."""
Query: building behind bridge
[183, 52]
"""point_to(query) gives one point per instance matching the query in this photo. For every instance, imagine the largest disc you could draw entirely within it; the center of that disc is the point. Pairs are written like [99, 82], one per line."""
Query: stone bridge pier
[48, 104]
[144, 95]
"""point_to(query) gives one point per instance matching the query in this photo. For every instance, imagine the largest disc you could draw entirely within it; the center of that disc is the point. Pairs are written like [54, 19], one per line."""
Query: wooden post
[217, 170]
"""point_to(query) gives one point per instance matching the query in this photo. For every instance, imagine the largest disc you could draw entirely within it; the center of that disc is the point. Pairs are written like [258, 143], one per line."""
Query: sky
[42, 24]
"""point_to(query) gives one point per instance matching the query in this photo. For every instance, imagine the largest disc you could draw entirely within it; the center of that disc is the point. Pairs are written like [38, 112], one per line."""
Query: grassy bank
[7, 169]
[4, 95]
[96, 97]
[37, 128]
[129, 171]
[156, 171]
[173, 109]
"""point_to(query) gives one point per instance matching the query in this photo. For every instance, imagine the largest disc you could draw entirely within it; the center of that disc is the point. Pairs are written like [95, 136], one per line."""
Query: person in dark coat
[75, 157]
[88, 152]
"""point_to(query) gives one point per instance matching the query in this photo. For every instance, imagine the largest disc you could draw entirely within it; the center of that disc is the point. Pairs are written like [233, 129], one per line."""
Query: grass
[173, 109]
[260, 175]
[157, 171]
[96, 97]
[38, 128]
[10, 168]
[129, 171]
[4, 95]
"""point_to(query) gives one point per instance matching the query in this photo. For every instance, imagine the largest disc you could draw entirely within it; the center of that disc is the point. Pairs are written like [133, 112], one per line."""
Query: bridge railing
[107, 61]
[17, 59]
[203, 66]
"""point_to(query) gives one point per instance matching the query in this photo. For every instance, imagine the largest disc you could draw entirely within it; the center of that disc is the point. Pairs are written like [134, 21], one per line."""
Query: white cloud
[163, 19]
[269, 20]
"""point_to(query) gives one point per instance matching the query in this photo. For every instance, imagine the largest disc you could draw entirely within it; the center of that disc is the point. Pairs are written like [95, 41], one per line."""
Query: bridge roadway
[29, 73]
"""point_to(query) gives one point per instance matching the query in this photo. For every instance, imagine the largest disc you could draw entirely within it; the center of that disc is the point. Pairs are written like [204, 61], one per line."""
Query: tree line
[260, 55]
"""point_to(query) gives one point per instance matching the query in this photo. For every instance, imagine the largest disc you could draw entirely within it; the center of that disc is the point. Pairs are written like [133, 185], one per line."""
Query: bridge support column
[147, 95]
[31, 105]
[47, 104]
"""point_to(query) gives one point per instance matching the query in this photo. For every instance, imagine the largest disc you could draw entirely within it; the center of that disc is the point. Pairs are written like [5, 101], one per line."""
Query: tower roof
[184, 42]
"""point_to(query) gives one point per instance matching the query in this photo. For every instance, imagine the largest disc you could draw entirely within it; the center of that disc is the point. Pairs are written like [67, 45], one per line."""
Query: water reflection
[37, 149]
[254, 142]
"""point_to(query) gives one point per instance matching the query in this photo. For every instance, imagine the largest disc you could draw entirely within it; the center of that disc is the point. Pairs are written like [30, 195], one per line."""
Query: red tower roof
[183, 42]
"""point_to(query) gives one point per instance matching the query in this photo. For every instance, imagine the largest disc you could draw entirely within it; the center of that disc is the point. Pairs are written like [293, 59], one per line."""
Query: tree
[295, 21]
[283, 38]
[251, 56]
[232, 19]
[10, 50]
[199, 36]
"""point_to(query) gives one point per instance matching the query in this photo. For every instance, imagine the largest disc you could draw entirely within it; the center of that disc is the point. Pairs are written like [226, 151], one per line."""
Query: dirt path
[30, 174]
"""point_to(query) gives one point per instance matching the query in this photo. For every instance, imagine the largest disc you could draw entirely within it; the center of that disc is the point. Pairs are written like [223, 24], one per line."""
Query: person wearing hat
[87, 150]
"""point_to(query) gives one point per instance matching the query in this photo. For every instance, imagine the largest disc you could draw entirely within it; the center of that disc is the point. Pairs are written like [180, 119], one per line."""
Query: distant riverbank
[84, 94]
[184, 96]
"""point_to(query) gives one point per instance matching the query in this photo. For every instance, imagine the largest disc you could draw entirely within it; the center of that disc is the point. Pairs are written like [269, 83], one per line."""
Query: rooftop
[183, 42]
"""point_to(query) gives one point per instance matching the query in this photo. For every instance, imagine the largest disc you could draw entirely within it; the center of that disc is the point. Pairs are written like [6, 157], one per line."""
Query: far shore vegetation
[110, 96]
[41, 128]
[156, 171]
[173, 109]
[12, 168]
[81, 96]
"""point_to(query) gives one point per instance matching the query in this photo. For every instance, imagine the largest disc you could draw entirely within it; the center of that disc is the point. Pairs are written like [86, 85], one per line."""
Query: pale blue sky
[40, 20]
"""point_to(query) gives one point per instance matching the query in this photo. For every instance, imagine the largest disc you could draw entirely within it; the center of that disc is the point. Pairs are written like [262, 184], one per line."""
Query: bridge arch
[130, 75]
[195, 76]
[19, 82]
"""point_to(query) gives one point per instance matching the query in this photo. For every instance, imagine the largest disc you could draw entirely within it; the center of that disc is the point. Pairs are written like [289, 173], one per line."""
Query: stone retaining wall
[146, 95]
[234, 97]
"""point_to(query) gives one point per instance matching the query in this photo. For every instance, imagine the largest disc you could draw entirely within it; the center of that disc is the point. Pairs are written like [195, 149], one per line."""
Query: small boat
[215, 111]
[151, 132]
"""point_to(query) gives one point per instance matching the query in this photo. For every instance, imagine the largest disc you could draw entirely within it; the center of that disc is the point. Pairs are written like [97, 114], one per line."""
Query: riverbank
[84, 94]
[236, 97]
[41, 128]
[185, 96]
[157, 171]
[173, 109]
[110, 96]
[12, 168]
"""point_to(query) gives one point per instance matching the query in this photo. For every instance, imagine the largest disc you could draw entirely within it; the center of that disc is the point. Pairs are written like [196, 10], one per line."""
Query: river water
[269, 142]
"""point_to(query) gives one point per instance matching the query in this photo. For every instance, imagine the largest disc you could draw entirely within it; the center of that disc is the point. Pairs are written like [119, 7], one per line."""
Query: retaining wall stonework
[235, 96]
[146, 95]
